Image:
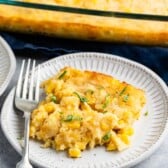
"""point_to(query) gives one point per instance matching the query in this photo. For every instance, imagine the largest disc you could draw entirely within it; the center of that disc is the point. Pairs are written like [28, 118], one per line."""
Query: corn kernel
[137, 115]
[129, 131]
[49, 107]
[81, 145]
[51, 86]
[74, 124]
[111, 146]
[74, 152]
[124, 138]
[104, 126]
[127, 115]
[121, 122]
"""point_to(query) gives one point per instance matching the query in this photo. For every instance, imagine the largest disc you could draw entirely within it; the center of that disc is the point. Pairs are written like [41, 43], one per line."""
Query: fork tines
[28, 82]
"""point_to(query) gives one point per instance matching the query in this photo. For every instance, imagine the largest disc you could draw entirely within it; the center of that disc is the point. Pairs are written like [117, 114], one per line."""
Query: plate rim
[122, 59]
[12, 68]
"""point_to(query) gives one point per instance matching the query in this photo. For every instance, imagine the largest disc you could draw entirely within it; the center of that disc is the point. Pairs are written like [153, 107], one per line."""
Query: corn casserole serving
[85, 109]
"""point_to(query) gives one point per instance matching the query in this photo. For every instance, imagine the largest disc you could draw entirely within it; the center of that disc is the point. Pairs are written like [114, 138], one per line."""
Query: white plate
[7, 65]
[149, 130]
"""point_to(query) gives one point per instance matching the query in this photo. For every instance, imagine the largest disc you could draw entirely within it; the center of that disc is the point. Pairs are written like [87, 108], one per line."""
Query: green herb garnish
[62, 75]
[53, 98]
[107, 101]
[82, 99]
[106, 137]
[60, 112]
[122, 92]
[125, 98]
[69, 118]
[72, 118]
[146, 113]
[77, 118]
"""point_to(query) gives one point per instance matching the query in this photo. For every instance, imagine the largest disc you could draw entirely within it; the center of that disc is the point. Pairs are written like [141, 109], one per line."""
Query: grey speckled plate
[7, 65]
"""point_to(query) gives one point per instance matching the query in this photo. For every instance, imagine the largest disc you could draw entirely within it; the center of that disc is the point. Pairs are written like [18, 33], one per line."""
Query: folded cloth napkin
[156, 58]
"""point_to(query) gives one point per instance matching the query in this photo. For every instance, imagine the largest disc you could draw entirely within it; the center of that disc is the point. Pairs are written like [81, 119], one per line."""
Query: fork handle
[25, 154]
[24, 163]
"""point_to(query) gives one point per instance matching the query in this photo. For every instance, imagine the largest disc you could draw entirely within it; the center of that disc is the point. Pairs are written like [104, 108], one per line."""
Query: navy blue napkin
[156, 58]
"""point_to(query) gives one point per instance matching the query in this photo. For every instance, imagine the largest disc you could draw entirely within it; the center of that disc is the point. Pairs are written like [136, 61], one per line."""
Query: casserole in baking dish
[91, 27]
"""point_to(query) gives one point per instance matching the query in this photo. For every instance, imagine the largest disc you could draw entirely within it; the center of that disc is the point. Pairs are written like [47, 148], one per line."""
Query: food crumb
[146, 113]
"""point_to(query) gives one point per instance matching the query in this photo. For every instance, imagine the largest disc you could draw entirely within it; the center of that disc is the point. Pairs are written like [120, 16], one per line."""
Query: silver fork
[26, 99]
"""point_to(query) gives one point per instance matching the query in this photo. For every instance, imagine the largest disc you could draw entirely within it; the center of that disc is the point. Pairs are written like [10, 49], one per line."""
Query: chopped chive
[125, 98]
[62, 75]
[107, 101]
[82, 99]
[104, 112]
[122, 92]
[146, 113]
[53, 98]
[106, 137]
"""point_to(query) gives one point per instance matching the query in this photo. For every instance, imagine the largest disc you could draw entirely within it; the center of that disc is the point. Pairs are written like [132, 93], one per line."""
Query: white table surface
[9, 157]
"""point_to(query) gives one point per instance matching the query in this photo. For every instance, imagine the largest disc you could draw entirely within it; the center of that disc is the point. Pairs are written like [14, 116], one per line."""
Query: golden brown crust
[83, 27]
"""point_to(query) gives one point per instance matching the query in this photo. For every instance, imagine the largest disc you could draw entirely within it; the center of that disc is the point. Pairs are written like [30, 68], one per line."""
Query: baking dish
[89, 20]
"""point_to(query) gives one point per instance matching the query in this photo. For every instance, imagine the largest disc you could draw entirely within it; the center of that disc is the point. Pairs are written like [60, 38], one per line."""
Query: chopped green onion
[107, 101]
[146, 113]
[77, 118]
[122, 92]
[125, 98]
[82, 99]
[62, 75]
[53, 98]
[68, 118]
[106, 137]
[72, 118]
[60, 112]
[104, 112]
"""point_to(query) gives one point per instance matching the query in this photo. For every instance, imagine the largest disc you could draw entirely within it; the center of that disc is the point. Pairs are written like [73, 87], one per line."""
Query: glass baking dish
[103, 20]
